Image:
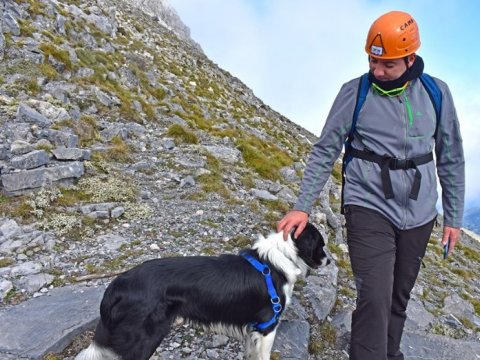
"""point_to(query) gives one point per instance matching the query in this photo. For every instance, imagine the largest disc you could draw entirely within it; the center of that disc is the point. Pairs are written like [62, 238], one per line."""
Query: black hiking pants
[385, 262]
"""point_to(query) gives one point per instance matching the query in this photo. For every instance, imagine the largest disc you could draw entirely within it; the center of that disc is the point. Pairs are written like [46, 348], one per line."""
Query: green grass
[337, 172]
[469, 253]
[4, 262]
[213, 183]
[182, 135]
[119, 150]
[87, 130]
[465, 274]
[241, 241]
[58, 54]
[48, 71]
[263, 157]
[326, 338]
[26, 28]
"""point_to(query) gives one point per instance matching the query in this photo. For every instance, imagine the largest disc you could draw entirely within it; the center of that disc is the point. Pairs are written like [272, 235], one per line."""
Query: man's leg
[411, 247]
[371, 242]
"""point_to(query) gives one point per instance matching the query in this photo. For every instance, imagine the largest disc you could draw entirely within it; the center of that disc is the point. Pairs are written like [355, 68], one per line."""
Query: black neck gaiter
[413, 72]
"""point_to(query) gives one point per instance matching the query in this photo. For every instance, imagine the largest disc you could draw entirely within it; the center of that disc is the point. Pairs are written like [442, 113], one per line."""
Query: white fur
[94, 352]
[237, 332]
[282, 254]
[259, 347]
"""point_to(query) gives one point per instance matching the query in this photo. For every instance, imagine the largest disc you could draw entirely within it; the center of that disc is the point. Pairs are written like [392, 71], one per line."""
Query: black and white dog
[226, 294]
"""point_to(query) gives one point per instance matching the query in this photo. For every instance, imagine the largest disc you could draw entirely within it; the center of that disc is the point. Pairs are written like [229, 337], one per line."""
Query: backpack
[430, 86]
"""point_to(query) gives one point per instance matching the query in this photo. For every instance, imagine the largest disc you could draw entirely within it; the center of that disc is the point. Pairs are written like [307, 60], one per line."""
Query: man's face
[391, 69]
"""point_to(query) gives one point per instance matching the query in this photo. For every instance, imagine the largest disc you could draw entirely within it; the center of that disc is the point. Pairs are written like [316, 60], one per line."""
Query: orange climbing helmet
[393, 35]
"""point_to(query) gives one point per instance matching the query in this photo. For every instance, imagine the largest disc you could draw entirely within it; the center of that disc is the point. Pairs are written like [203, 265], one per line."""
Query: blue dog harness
[274, 298]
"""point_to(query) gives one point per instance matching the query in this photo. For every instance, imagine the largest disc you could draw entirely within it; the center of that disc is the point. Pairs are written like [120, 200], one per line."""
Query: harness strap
[388, 163]
[274, 298]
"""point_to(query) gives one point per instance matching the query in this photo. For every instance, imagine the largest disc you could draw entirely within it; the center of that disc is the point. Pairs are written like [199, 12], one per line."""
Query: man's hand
[452, 234]
[294, 218]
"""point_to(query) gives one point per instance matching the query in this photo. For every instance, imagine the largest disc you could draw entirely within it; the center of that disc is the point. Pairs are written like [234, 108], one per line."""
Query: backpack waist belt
[388, 163]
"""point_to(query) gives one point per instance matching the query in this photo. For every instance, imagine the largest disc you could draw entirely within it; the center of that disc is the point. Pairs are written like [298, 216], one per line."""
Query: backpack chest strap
[388, 163]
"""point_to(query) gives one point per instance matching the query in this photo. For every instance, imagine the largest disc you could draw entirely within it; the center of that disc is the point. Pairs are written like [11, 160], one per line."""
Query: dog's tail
[95, 352]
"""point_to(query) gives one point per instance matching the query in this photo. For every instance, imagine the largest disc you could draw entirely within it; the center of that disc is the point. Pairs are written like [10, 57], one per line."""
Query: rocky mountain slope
[121, 142]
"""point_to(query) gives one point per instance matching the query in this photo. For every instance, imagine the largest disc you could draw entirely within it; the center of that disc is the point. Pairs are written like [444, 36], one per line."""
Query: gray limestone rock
[28, 115]
[289, 174]
[106, 99]
[263, 194]
[63, 153]
[9, 228]
[2, 38]
[32, 160]
[85, 209]
[35, 282]
[287, 194]
[168, 144]
[48, 323]
[417, 316]
[3, 152]
[117, 212]
[61, 24]
[26, 268]
[20, 147]
[5, 287]
[112, 241]
[61, 138]
[434, 347]
[11, 24]
[187, 182]
[8, 246]
[321, 291]
[98, 215]
[292, 339]
[31, 179]
[455, 305]
[227, 154]
[84, 72]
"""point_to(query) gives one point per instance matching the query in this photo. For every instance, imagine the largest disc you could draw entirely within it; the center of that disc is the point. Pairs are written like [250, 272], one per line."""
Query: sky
[296, 54]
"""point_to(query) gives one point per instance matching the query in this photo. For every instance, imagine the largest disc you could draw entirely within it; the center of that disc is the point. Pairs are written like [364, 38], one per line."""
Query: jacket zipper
[404, 182]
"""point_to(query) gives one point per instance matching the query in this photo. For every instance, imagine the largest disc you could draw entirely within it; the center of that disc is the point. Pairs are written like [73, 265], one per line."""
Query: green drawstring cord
[391, 93]
[397, 92]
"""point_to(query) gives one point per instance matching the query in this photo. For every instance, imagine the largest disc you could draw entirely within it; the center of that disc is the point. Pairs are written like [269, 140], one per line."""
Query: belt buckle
[400, 164]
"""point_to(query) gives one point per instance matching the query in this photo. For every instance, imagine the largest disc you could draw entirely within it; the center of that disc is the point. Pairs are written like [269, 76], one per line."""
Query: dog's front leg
[266, 344]
[258, 346]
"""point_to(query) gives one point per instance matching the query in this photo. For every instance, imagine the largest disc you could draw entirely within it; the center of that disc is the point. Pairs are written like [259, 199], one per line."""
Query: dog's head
[310, 246]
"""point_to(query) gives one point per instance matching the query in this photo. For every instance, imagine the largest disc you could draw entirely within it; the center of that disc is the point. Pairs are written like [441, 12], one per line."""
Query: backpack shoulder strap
[434, 92]
[362, 92]
[363, 86]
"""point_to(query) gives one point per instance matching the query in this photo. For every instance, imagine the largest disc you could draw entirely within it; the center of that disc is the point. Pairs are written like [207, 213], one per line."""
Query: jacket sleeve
[328, 147]
[450, 161]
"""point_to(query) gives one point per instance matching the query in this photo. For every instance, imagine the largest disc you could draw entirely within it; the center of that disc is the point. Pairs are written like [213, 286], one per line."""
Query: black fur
[139, 306]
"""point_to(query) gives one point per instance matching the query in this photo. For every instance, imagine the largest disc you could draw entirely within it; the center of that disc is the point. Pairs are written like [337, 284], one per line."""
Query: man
[390, 211]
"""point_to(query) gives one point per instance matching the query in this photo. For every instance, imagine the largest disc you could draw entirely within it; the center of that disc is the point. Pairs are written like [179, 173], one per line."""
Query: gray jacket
[386, 126]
